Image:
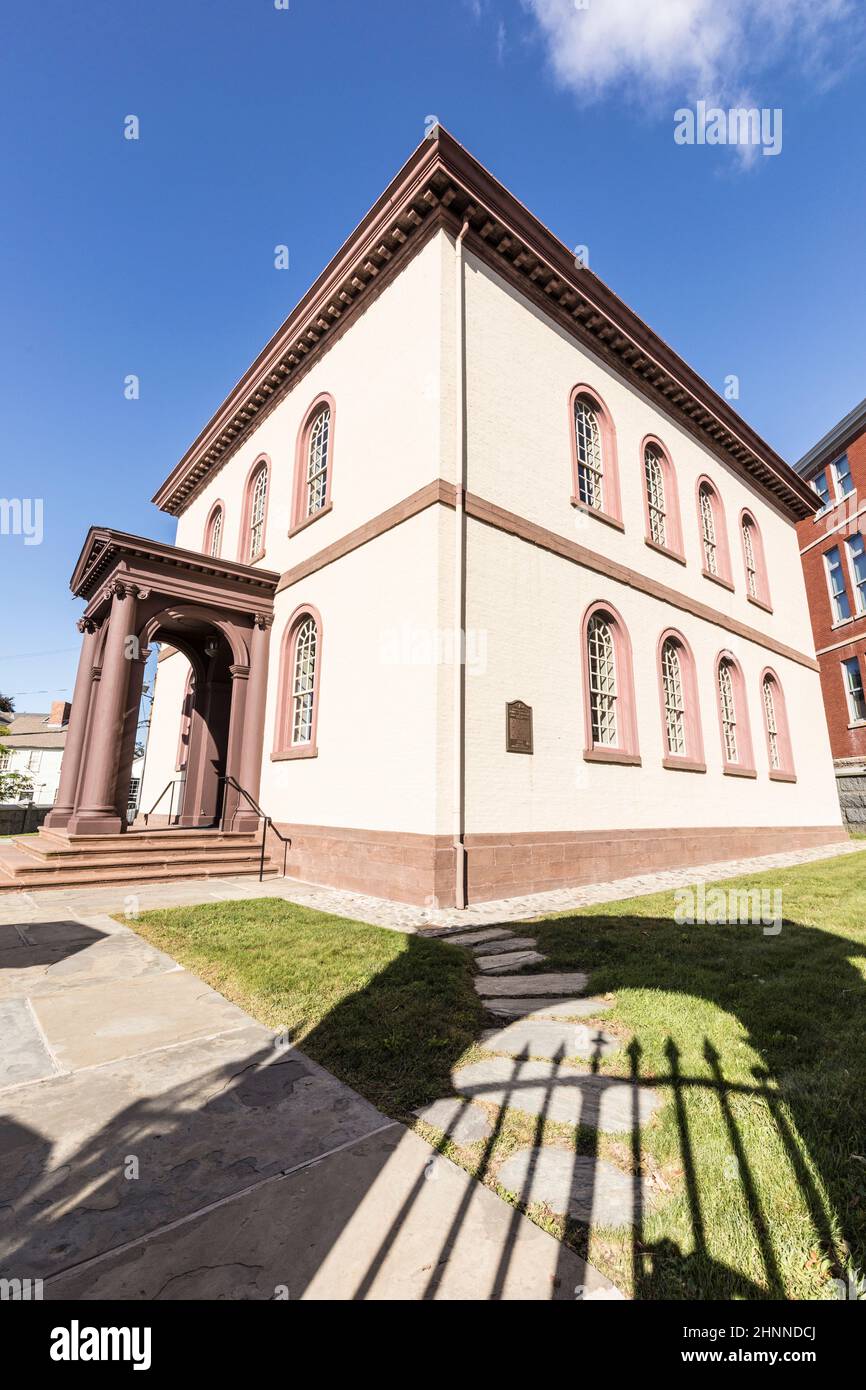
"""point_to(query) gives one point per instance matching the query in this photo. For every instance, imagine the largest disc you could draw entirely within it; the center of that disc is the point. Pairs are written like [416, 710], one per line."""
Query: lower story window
[304, 683]
[854, 689]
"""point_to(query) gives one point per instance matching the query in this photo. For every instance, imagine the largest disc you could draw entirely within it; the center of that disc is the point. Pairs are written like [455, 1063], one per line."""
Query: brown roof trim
[441, 185]
[103, 547]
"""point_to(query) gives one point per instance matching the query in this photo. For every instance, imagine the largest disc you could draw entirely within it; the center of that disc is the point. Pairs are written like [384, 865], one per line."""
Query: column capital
[263, 621]
[239, 672]
[86, 625]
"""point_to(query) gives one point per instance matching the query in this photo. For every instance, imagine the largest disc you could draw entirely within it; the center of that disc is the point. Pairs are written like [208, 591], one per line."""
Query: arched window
[776, 728]
[661, 500]
[213, 531]
[255, 512]
[609, 715]
[298, 698]
[186, 710]
[593, 456]
[681, 721]
[757, 583]
[314, 463]
[714, 535]
[737, 755]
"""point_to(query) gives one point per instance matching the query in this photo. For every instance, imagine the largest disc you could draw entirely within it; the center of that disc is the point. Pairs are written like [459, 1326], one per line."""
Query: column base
[58, 817]
[244, 822]
[95, 823]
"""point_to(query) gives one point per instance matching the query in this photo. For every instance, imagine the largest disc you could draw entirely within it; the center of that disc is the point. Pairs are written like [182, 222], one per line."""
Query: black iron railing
[267, 823]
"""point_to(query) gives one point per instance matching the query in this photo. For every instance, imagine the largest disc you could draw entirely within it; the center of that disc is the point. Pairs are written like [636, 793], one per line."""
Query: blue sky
[261, 126]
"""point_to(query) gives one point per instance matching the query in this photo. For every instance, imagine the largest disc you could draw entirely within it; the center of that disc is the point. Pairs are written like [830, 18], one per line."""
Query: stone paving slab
[508, 960]
[104, 1022]
[23, 1054]
[558, 1092]
[202, 1120]
[517, 943]
[382, 1219]
[36, 970]
[473, 938]
[588, 1189]
[551, 1038]
[548, 1008]
[525, 985]
[461, 1121]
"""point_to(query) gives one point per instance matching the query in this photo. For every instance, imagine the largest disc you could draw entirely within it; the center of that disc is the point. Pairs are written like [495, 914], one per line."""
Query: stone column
[254, 720]
[234, 744]
[64, 805]
[130, 735]
[96, 813]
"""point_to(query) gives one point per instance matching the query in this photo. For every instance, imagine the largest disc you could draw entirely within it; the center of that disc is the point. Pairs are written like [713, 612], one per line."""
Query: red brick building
[833, 551]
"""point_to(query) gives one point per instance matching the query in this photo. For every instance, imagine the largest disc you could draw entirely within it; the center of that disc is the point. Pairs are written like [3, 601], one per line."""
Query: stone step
[492, 948]
[549, 1008]
[559, 1092]
[519, 986]
[460, 1120]
[551, 1038]
[153, 873]
[458, 936]
[587, 1189]
[52, 841]
[509, 960]
[26, 867]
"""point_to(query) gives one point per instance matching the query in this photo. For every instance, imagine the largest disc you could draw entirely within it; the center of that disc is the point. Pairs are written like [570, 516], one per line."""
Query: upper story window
[5, 758]
[822, 487]
[836, 583]
[655, 495]
[842, 476]
[213, 532]
[593, 455]
[857, 562]
[255, 511]
[34, 760]
[298, 698]
[609, 723]
[590, 461]
[757, 584]
[714, 539]
[737, 755]
[681, 725]
[313, 463]
[854, 689]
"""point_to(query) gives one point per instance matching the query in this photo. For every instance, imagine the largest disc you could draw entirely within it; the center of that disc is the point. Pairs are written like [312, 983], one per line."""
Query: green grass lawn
[757, 1161]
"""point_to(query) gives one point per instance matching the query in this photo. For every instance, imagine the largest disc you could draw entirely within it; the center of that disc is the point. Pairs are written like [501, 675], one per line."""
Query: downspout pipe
[460, 577]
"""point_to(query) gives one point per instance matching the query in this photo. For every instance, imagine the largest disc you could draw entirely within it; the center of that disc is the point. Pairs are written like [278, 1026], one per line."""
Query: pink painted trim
[723, 552]
[745, 767]
[673, 520]
[308, 521]
[283, 746]
[787, 772]
[612, 510]
[299, 517]
[627, 749]
[246, 514]
[218, 506]
[693, 758]
[762, 599]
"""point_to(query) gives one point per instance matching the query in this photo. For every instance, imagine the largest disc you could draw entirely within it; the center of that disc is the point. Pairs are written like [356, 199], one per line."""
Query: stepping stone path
[461, 1121]
[529, 1074]
[587, 1189]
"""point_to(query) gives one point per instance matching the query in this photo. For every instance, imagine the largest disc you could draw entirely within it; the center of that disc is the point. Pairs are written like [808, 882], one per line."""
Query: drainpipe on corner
[460, 581]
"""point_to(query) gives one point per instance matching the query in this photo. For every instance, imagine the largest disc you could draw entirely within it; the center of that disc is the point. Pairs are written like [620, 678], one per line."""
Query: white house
[34, 748]
[462, 444]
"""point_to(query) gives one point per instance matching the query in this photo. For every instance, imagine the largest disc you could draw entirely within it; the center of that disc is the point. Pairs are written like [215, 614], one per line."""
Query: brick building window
[822, 487]
[857, 563]
[842, 476]
[853, 678]
[836, 584]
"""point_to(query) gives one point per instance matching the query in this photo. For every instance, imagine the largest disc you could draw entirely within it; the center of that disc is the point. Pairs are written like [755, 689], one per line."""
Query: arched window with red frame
[715, 554]
[610, 724]
[754, 562]
[255, 512]
[314, 463]
[594, 463]
[682, 738]
[738, 758]
[776, 729]
[661, 499]
[213, 531]
[297, 717]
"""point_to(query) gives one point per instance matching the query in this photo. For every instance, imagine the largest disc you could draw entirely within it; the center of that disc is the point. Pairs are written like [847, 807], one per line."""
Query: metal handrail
[267, 824]
[148, 814]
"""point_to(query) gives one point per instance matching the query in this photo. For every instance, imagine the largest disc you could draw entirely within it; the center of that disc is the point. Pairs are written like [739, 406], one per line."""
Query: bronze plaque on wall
[518, 727]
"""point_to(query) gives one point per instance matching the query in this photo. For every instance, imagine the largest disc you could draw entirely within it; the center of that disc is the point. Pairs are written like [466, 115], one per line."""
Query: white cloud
[693, 48]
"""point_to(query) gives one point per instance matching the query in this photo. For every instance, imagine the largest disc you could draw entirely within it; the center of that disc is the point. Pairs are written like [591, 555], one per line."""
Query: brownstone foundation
[418, 869]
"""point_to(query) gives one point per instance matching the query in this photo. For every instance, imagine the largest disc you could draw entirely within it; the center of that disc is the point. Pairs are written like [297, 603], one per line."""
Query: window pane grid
[772, 728]
[728, 709]
[257, 513]
[590, 465]
[854, 688]
[317, 462]
[857, 556]
[675, 711]
[749, 552]
[602, 682]
[304, 682]
[216, 531]
[836, 579]
[708, 527]
[655, 492]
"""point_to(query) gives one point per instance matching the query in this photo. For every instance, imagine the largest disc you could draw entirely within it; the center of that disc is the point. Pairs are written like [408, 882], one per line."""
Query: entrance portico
[219, 615]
